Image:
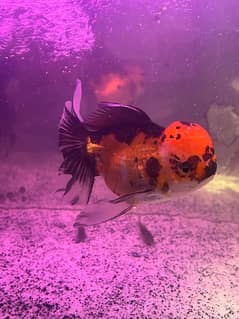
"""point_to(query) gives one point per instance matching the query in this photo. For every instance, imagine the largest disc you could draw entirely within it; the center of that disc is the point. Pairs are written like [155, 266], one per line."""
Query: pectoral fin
[132, 197]
[101, 212]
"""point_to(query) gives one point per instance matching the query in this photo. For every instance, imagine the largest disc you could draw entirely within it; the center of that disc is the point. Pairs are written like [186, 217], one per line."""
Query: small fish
[139, 160]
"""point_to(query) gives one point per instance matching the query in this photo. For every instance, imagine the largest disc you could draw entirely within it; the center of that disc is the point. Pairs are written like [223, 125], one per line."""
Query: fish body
[124, 160]
[138, 159]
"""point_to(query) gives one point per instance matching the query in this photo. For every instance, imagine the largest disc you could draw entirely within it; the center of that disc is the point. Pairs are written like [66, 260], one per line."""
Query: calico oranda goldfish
[139, 160]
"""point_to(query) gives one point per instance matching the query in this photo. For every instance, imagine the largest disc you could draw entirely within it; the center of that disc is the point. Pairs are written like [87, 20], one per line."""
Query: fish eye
[190, 164]
[186, 167]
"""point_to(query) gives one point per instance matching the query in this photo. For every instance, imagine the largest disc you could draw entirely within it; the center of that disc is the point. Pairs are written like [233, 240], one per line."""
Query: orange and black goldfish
[138, 159]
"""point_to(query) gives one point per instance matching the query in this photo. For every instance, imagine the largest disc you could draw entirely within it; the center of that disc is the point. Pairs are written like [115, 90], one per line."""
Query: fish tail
[78, 162]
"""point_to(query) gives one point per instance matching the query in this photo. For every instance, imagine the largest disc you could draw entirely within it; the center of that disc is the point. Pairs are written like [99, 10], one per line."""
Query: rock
[223, 123]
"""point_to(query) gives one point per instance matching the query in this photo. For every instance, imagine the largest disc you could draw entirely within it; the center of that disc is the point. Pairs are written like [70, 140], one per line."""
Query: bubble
[58, 28]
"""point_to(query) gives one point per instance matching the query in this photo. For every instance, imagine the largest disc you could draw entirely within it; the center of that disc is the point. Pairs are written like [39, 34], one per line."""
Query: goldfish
[139, 160]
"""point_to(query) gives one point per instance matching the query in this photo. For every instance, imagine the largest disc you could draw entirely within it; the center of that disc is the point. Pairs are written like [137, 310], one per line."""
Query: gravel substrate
[49, 270]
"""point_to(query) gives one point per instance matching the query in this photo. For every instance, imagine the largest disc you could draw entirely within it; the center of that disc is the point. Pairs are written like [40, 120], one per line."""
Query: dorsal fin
[77, 99]
[114, 115]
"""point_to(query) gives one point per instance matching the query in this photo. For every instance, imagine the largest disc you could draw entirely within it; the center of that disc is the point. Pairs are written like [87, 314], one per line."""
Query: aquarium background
[177, 60]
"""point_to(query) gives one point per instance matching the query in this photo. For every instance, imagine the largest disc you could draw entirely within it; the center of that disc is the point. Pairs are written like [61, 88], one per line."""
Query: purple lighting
[127, 103]
[60, 27]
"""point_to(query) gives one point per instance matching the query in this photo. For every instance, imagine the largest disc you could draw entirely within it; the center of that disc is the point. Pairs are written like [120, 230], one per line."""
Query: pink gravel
[190, 272]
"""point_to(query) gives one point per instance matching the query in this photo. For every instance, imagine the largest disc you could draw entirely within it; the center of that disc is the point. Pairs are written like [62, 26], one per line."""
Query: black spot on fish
[152, 168]
[171, 136]
[177, 158]
[136, 159]
[127, 134]
[152, 130]
[178, 127]
[209, 152]
[206, 156]
[178, 136]
[210, 169]
[194, 160]
[155, 142]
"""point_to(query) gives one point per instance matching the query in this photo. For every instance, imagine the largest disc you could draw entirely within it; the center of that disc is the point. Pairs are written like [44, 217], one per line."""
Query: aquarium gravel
[191, 270]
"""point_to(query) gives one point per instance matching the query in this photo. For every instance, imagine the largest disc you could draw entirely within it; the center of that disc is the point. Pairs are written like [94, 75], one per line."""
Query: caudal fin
[77, 162]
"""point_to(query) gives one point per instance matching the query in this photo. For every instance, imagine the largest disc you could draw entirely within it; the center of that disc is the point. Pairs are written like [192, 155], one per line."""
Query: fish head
[189, 156]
